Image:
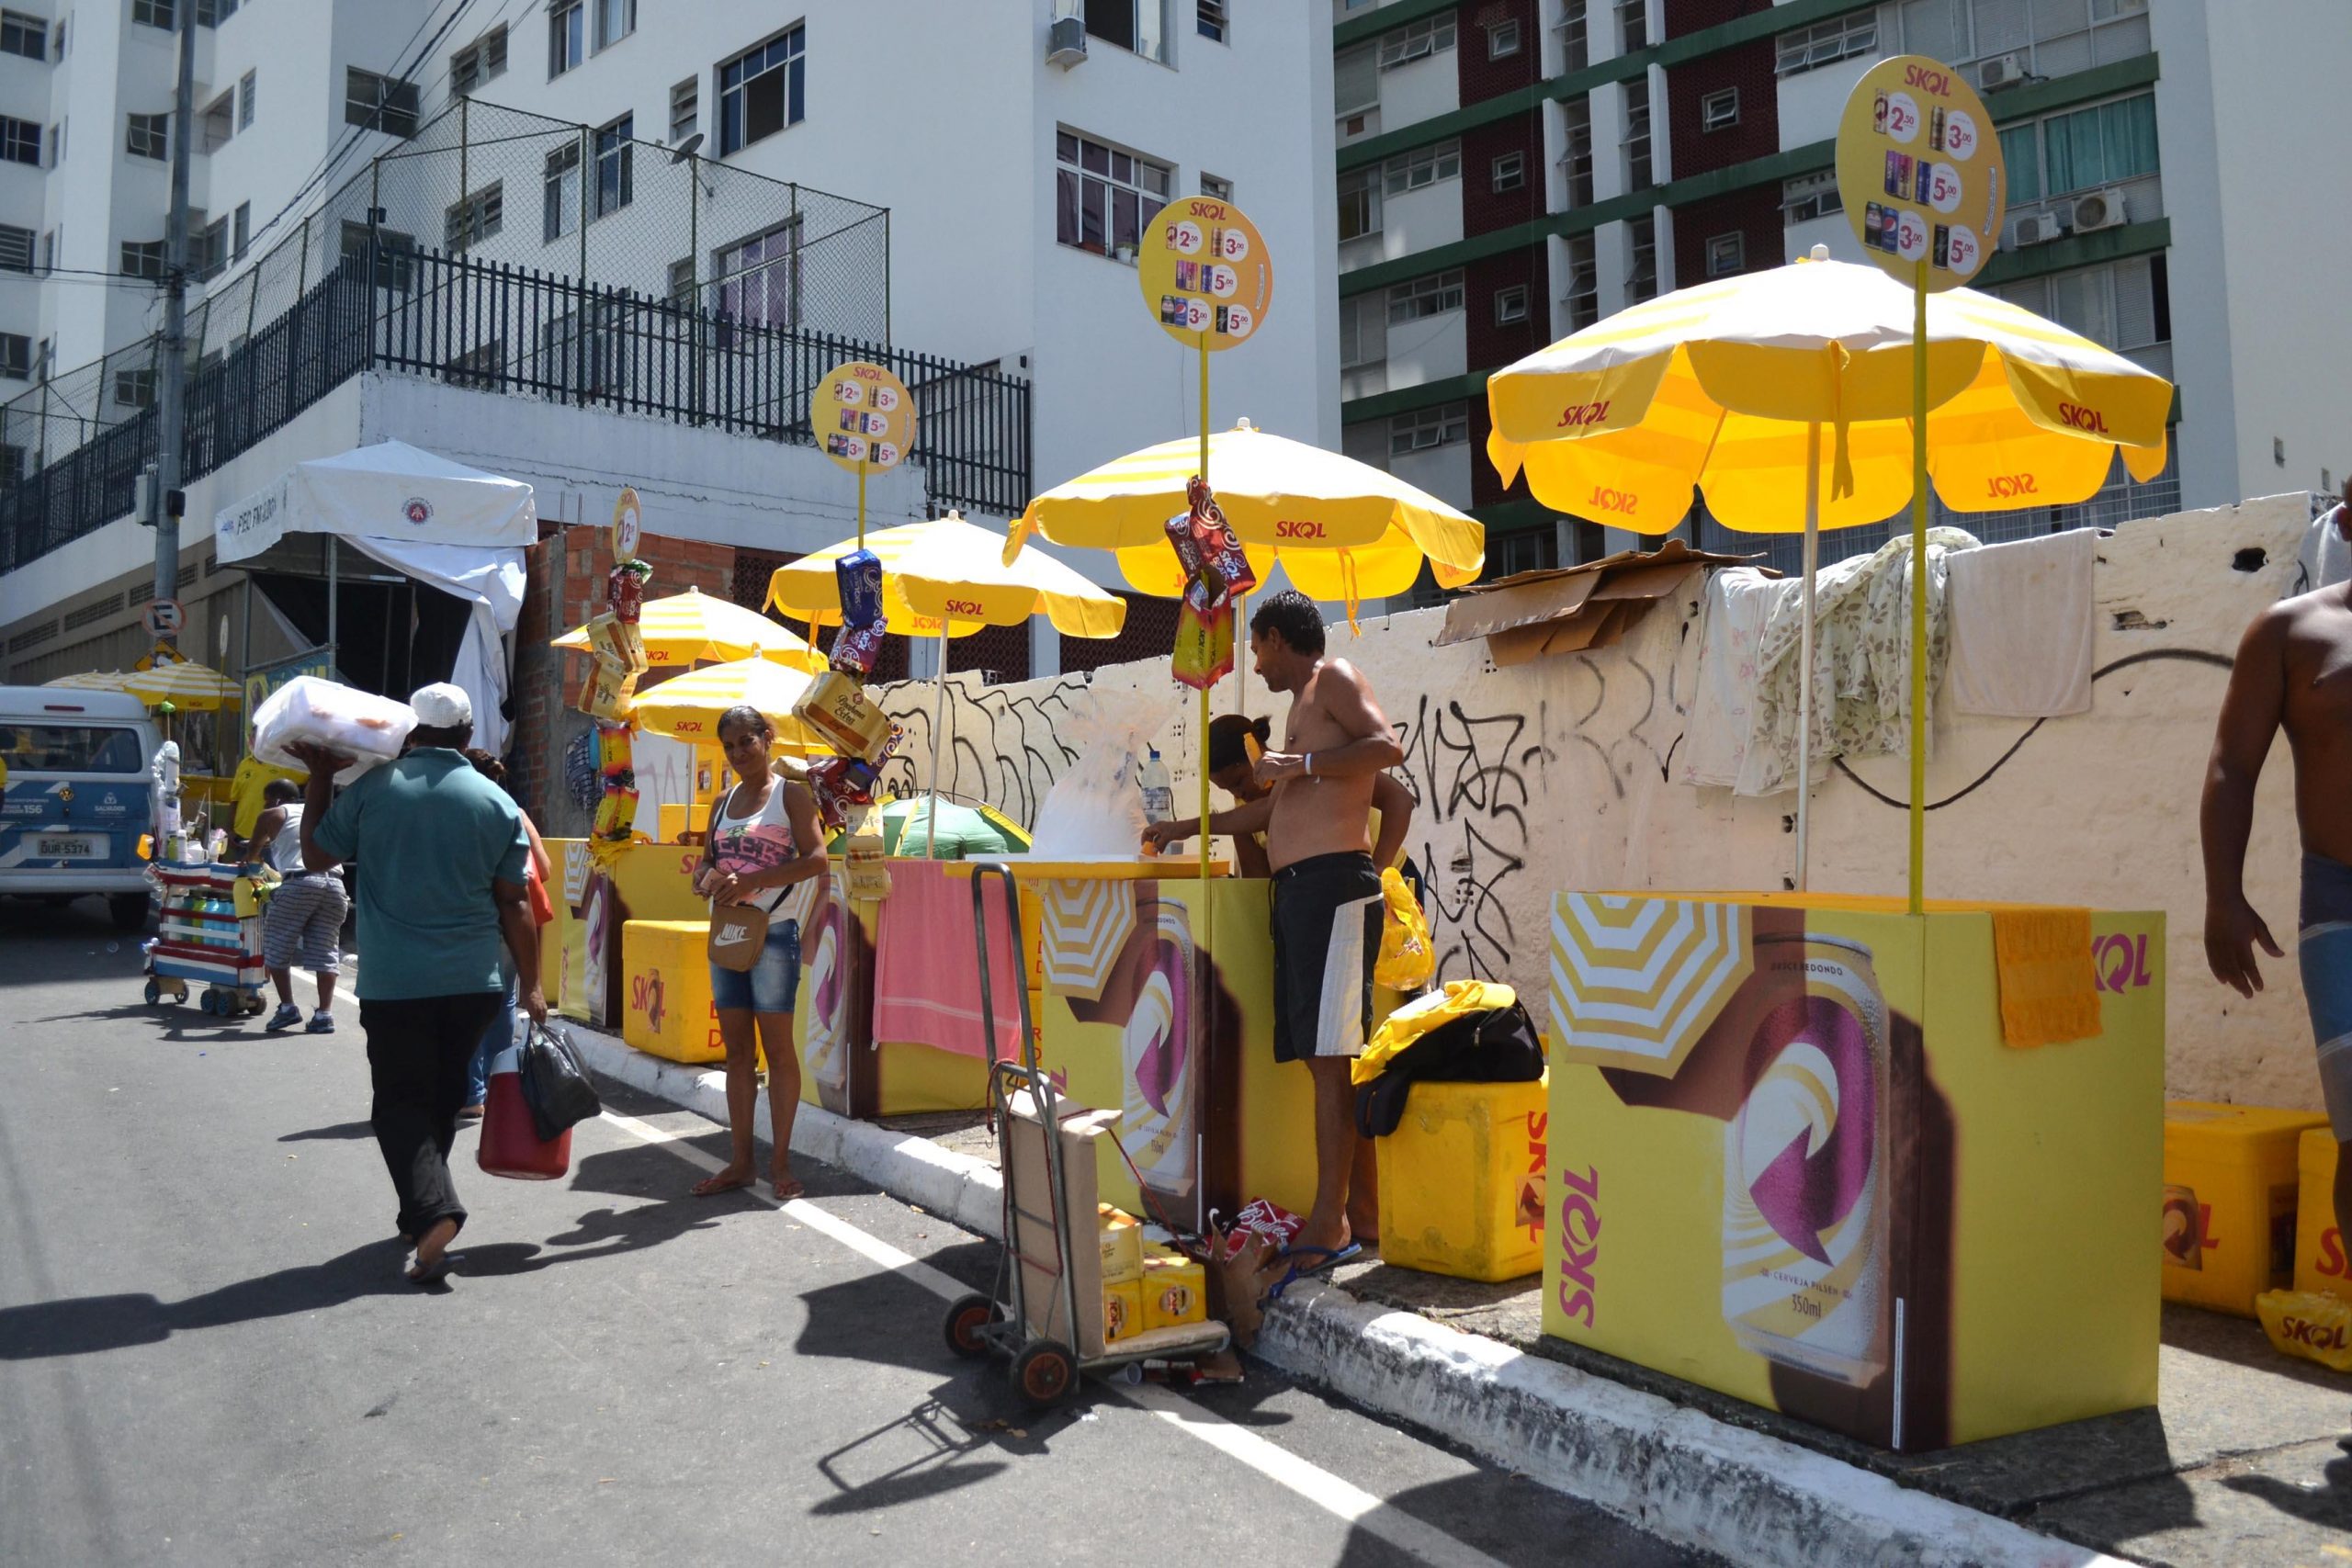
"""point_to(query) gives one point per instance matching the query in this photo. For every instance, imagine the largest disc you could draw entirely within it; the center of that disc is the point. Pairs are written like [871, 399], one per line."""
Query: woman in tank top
[765, 849]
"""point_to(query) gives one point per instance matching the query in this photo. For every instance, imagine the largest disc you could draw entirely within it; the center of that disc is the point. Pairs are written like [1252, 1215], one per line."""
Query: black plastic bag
[555, 1086]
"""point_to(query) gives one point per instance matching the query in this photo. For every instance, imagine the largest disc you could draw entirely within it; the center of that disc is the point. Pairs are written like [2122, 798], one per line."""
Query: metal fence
[497, 327]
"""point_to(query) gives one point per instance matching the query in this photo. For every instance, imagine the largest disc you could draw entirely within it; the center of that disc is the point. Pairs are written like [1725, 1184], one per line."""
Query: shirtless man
[2293, 668]
[1327, 904]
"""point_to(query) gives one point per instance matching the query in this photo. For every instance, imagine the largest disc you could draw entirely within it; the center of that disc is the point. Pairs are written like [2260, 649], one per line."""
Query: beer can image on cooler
[1806, 1177]
[1159, 1112]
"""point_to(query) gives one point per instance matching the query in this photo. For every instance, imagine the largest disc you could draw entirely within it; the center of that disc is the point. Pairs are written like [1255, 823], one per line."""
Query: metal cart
[201, 937]
[1045, 1363]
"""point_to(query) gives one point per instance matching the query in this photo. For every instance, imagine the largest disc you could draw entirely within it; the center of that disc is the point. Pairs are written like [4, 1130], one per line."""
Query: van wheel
[130, 911]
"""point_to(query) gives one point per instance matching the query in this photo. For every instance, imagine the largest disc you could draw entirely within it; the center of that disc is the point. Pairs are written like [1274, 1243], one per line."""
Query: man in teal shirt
[443, 849]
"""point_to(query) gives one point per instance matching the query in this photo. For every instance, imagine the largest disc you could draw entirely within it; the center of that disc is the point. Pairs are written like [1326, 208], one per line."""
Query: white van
[77, 797]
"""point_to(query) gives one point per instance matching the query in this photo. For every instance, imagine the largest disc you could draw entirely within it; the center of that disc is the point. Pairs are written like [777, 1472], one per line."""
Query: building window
[1507, 172]
[759, 279]
[378, 102]
[479, 61]
[1101, 195]
[1583, 297]
[1524, 549]
[1632, 25]
[615, 19]
[1719, 111]
[1575, 43]
[1425, 430]
[1359, 204]
[1425, 297]
[1416, 40]
[1576, 159]
[144, 258]
[217, 123]
[560, 194]
[567, 35]
[613, 161]
[1825, 43]
[1511, 305]
[2081, 150]
[395, 254]
[146, 136]
[1421, 168]
[1355, 82]
[241, 231]
[468, 223]
[1216, 188]
[1726, 254]
[2125, 305]
[761, 91]
[685, 108]
[1809, 196]
[16, 248]
[1641, 259]
[208, 247]
[1502, 38]
[1637, 135]
[21, 139]
[682, 283]
[246, 85]
[57, 45]
[20, 34]
[1363, 330]
[135, 388]
[152, 13]
[1209, 18]
[1138, 26]
[212, 13]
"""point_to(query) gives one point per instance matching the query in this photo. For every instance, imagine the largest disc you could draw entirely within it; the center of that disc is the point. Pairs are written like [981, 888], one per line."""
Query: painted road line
[1340, 1498]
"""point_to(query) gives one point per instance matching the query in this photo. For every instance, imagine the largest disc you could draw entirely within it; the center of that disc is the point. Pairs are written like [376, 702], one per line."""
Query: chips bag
[1204, 654]
[2308, 1324]
[1406, 959]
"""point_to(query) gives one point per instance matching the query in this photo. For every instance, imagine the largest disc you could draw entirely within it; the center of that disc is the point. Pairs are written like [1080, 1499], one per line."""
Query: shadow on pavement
[1512, 1520]
[340, 1130]
[83, 1326]
[2330, 1507]
[926, 1452]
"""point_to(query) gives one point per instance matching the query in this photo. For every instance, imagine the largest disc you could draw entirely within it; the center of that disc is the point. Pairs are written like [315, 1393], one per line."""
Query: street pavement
[207, 1354]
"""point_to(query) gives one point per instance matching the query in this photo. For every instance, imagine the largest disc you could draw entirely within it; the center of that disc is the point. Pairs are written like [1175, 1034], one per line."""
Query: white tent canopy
[449, 526]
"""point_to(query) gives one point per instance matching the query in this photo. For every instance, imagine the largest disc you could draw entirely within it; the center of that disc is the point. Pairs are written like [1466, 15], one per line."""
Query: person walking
[765, 849]
[445, 850]
[500, 1033]
[304, 921]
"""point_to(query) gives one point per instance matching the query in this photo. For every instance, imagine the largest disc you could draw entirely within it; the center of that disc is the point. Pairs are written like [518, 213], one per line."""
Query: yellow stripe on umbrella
[687, 707]
[195, 687]
[694, 627]
[952, 575]
[90, 681]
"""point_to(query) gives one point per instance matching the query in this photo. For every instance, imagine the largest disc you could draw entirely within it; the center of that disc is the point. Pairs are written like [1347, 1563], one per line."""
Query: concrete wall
[1553, 775]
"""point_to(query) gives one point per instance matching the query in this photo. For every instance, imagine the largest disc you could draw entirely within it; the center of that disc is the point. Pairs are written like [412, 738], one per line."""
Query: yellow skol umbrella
[91, 681]
[1733, 387]
[687, 707]
[195, 688]
[693, 626]
[950, 578]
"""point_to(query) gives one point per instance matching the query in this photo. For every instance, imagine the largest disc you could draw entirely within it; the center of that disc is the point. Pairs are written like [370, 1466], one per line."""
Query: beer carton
[1121, 1240]
[1174, 1289]
[837, 708]
[1122, 1311]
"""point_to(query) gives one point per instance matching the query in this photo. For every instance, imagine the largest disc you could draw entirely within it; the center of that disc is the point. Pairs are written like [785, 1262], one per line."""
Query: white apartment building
[952, 179]
[1510, 171]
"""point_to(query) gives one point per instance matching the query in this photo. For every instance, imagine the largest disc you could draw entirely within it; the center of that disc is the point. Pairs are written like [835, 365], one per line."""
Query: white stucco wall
[1552, 775]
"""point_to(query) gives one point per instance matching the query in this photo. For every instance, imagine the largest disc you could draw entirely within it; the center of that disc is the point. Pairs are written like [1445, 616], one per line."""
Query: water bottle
[1158, 790]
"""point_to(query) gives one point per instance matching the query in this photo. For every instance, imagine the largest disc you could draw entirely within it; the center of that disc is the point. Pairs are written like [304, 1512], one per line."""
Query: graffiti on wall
[999, 743]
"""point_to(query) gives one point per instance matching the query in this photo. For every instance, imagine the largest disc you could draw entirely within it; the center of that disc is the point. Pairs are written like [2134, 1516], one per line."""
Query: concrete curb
[1675, 1472]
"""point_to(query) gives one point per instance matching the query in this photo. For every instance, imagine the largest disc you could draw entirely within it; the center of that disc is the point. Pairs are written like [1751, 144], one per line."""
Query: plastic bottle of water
[1158, 790]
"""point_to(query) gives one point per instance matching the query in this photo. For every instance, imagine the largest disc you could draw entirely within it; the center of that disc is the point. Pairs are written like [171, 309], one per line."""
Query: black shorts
[1327, 915]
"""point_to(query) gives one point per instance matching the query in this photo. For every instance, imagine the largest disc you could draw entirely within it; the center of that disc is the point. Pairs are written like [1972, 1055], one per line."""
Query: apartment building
[1512, 170]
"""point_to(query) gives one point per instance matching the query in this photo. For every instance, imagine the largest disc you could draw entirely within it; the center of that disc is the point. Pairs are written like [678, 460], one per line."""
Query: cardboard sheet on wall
[1572, 609]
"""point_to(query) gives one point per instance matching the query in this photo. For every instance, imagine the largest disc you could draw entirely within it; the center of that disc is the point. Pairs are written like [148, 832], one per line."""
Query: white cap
[442, 707]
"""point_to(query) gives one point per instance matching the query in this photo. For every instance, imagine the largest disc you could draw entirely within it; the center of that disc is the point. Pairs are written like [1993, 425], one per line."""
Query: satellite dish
[685, 149]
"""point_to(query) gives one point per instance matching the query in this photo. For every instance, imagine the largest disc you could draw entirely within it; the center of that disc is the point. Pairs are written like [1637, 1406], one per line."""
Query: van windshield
[70, 749]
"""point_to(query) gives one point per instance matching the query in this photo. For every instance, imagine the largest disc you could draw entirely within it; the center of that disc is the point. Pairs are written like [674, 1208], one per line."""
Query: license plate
[69, 846]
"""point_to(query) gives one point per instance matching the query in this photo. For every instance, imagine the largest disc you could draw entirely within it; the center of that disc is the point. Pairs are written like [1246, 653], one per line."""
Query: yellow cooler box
[2319, 1263]
[668, 979]
[1452, 1175]
[2229, 1202]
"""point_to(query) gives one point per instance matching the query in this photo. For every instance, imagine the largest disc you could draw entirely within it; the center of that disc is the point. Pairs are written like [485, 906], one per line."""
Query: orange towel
[2049, 989]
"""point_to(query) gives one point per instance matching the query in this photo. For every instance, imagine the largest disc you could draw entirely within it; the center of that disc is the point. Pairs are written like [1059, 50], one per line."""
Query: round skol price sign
[1919, 171]
[864, 415]
[1206, 275]
[628, 520]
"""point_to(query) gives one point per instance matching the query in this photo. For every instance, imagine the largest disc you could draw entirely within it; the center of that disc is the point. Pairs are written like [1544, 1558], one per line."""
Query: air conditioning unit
[2037, 229]
[2100, 210]
[1066, 41]
[2001, 70]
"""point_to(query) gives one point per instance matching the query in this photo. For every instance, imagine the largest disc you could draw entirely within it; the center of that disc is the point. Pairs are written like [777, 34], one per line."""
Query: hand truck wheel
[1042, 1373]
[965, 1320]
[154, 993]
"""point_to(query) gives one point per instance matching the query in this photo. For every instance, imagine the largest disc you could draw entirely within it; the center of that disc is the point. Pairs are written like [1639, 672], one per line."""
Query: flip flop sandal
[428, 1274]
[1310, 1260]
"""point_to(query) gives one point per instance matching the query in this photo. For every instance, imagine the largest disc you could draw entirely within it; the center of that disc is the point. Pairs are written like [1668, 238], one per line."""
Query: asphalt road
[207, 1354]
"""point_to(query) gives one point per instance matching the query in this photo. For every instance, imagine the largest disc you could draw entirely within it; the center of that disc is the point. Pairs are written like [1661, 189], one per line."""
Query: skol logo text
[1926, 81]
[1299, 529]
[1577, 415]
[2080, 418]
[2004, 487]
[1580, 1242]
[1606, 499]
[2120, 962]
[964, 607]
[2319, 1335]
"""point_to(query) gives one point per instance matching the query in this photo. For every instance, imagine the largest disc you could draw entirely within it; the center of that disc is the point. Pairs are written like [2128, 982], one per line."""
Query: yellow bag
[1405, 960]
[1418, 1017]
[2307, 1324]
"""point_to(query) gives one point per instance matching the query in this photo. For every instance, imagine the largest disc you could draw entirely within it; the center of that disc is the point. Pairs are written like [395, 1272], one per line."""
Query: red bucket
[510, 1143]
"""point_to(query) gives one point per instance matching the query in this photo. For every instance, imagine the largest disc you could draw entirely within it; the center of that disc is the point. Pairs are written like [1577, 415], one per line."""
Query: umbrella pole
[1804, 645]
[1205, 840]
[938, 721]
[861, 505]
[1919, 587]
[1240, 641]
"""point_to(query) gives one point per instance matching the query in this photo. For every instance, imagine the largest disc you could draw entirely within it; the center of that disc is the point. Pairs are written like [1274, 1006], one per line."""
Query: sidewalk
[2237, 1464]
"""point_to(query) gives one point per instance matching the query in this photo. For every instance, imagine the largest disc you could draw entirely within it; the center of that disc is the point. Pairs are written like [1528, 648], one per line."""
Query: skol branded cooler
[2229, 1202]
[2320, 1261]
[1794, 1158]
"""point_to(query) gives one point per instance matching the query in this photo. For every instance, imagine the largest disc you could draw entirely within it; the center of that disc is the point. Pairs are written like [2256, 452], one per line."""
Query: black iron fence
[495, 327]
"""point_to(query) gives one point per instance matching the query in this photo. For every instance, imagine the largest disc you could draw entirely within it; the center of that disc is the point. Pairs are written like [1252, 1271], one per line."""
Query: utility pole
[171, 410]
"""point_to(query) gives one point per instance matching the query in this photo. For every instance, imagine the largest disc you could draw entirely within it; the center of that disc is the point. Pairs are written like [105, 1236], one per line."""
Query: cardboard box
[1572, 609]
[1036, 1246]
[1174, 1289]
[2229, 1202]
[1122, 1239]
[1122, 1317]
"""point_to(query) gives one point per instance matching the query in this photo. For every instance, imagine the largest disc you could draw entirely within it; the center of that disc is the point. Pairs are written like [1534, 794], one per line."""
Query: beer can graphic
[1159, 1119]
[1936, 130]
[1805, 1168]
[2184, 1229]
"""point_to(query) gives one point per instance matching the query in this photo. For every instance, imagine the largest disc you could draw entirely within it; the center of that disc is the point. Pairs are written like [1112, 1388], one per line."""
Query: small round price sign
[1919, 171]
[628, 520]
[1207, 279]
[863, 416]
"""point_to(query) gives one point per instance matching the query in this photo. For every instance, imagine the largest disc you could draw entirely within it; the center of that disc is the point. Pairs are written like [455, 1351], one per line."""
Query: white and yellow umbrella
[687, 707]
[91, 681]
[191, 687]
[690, 627]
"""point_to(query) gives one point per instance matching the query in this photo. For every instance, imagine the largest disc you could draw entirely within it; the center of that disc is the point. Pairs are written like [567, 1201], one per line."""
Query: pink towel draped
[927, 969]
